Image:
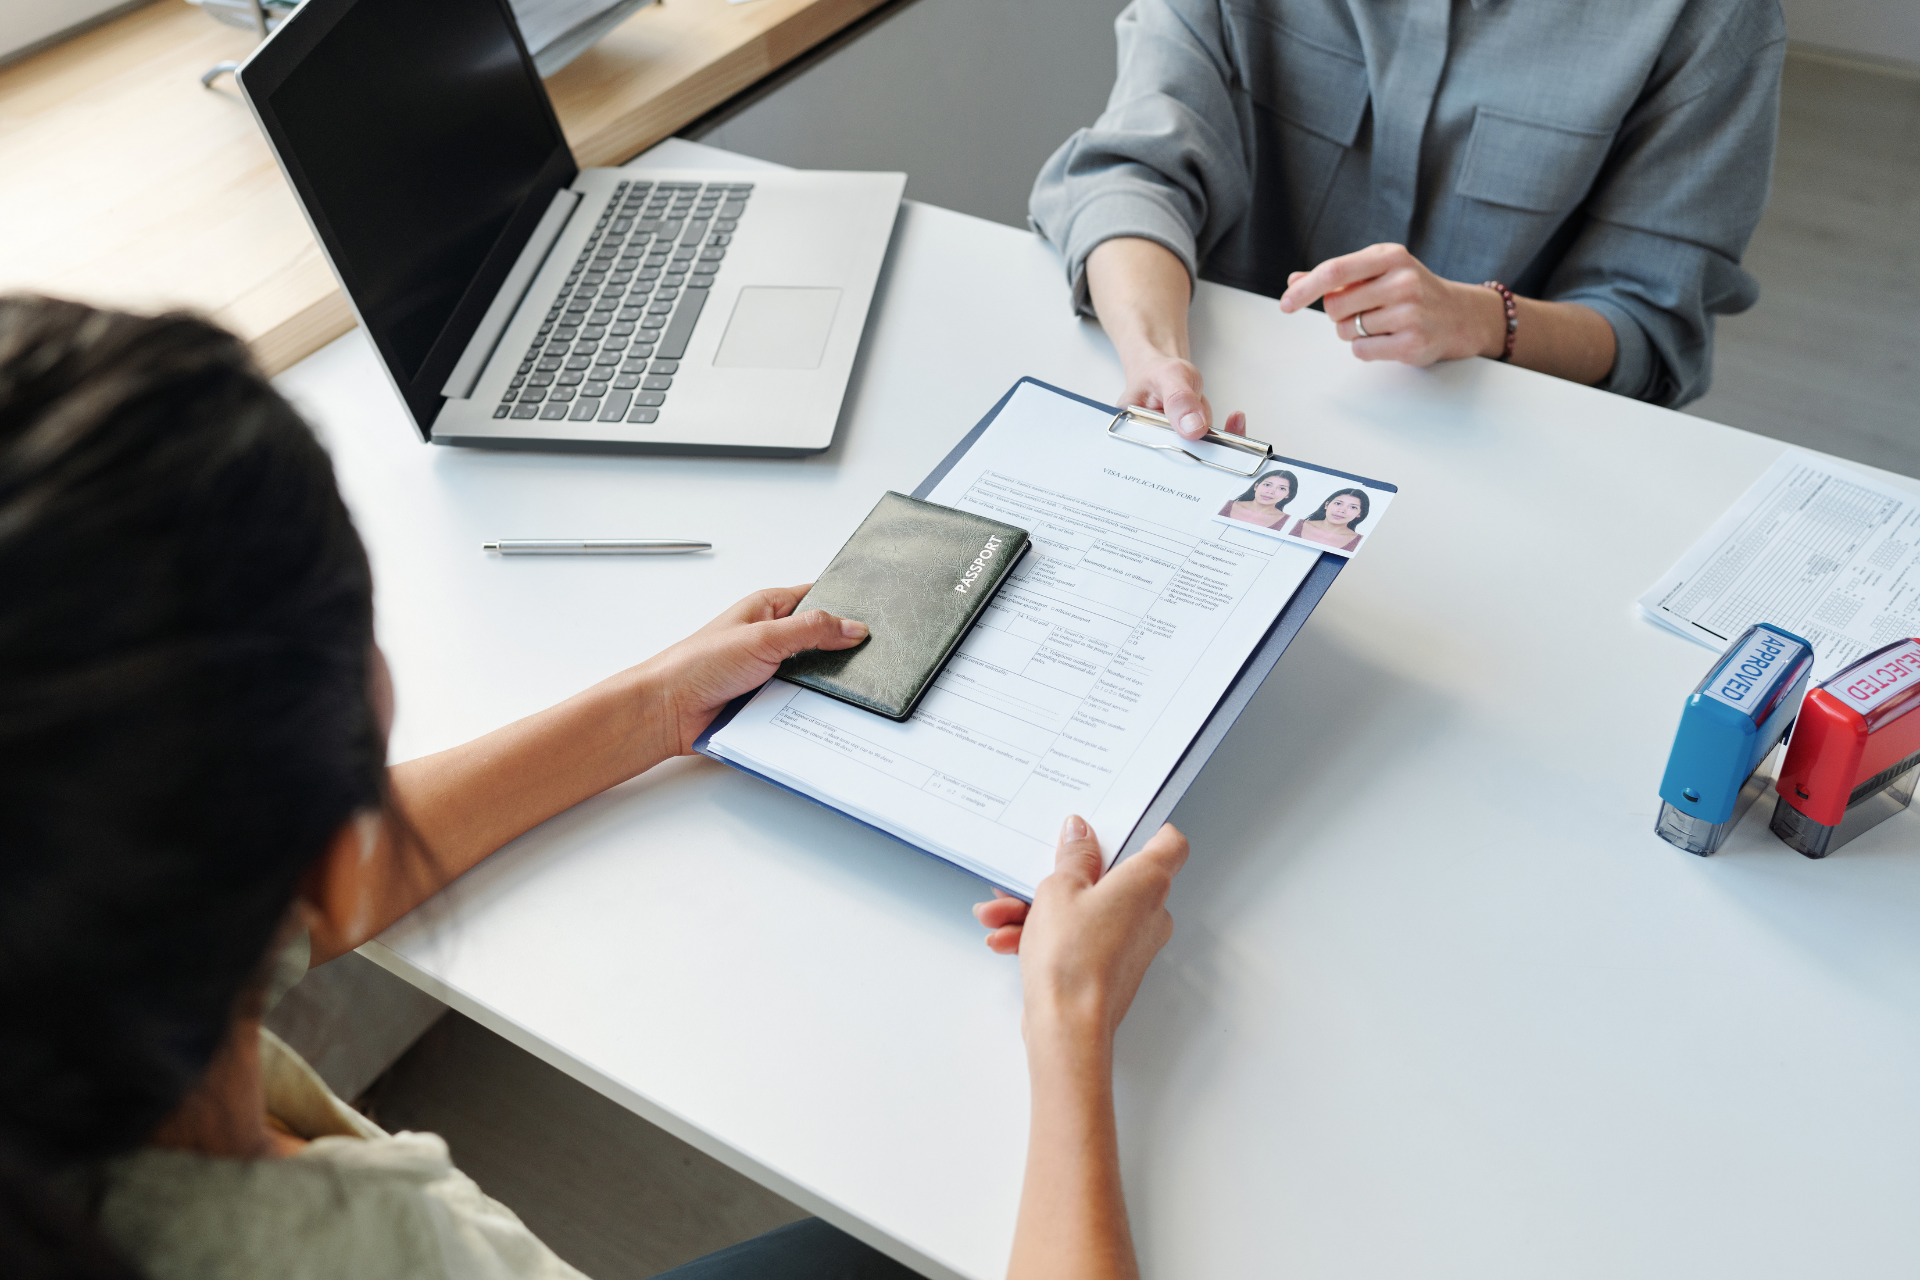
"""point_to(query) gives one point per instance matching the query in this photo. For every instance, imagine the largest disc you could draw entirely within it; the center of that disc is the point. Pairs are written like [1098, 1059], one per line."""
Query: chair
[257, 16]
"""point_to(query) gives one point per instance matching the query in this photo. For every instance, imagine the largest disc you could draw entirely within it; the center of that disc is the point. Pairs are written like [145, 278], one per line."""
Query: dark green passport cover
[919, 575]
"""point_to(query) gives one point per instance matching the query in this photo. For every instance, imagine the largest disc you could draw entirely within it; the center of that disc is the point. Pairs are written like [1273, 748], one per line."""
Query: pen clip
[1262, 451]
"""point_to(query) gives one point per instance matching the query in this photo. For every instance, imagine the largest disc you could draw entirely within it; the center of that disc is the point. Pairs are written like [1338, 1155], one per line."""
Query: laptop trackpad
[778, 328]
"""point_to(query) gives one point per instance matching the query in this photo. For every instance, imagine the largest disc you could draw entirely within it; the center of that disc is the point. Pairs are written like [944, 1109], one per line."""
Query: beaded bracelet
[1513, 315]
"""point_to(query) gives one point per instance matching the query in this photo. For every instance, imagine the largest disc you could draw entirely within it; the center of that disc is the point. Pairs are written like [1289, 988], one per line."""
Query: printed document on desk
[1821, 550]
[1082, 686]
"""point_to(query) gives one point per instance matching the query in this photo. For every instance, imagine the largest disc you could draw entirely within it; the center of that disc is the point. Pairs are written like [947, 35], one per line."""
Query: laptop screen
[417, 133]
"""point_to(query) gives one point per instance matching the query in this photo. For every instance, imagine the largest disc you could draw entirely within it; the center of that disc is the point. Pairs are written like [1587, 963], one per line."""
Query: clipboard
[1252, 674]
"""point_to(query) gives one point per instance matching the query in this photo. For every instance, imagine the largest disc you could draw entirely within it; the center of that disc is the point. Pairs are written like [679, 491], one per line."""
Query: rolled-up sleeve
[1670, 216]
[1165, 161]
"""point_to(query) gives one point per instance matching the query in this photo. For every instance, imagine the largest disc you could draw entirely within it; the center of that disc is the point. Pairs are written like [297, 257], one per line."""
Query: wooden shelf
[127, 184]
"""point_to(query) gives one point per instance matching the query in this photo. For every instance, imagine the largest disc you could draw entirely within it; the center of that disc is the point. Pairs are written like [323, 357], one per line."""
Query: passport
[919, 575]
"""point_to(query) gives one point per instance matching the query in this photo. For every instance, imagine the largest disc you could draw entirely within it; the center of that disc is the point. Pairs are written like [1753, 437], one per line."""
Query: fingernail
[1192, 426]
[852, 630]
[1074, 828]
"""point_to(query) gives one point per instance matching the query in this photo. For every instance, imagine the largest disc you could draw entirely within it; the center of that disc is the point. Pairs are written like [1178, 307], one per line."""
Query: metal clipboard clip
[1260, 449]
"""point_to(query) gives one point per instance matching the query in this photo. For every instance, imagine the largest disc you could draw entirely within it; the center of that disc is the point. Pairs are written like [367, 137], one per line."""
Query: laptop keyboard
[614, 336]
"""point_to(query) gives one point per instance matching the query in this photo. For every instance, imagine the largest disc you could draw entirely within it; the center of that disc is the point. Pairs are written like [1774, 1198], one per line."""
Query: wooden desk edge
[299, 309]
[293, 339]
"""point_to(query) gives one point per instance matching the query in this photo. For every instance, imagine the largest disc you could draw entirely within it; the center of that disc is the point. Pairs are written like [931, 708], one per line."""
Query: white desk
[1439, 1003]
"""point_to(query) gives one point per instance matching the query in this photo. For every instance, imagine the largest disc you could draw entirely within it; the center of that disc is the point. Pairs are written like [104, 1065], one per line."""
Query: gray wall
[967, 97]
[1878, 29]
[26, 24]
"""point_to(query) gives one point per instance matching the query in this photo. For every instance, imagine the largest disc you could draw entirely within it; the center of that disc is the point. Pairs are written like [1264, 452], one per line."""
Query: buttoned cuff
[1138, 212]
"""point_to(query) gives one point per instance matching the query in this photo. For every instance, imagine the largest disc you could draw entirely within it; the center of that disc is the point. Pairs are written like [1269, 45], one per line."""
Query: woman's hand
[464, 803]
[1140, 292]
[1087, 939]
[1171, 385]
[1084, 946]
[1413, 316]
[737, 651]
[1410, 314]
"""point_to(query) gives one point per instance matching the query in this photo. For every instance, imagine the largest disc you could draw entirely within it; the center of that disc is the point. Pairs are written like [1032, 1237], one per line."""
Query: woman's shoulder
[385, 1208]
[181, 1213]
[301, 1100]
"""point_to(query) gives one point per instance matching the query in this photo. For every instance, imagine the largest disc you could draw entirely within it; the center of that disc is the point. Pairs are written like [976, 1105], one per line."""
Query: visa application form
[1080, 688]
[1822, 550]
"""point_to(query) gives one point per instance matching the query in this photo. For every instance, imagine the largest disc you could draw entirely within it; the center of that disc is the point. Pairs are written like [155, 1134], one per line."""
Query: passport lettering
[978, 566]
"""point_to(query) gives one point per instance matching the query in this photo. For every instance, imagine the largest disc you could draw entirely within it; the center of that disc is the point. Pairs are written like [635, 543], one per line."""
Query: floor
[969, 96]
[612, 1194]
[975, 95]
[1827, 359]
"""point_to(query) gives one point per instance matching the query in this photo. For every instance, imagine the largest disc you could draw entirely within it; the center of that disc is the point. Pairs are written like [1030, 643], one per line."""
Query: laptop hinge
[473, 361]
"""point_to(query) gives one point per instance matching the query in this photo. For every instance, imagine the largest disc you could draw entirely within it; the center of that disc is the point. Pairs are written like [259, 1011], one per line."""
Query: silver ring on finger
[1358, 327]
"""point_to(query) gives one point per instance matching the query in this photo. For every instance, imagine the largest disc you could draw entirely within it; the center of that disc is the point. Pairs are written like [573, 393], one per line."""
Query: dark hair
[184, 726]
[1361, 494]
[1293, 488]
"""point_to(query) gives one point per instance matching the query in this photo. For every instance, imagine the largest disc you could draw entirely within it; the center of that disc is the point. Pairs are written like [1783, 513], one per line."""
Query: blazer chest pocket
[1308, 83]
[1528, 165]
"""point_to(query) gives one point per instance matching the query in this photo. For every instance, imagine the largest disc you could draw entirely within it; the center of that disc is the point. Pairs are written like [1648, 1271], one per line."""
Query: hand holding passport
[919, 575]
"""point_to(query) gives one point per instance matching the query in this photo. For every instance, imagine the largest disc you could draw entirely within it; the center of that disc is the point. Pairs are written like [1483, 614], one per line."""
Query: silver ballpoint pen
[594, 546]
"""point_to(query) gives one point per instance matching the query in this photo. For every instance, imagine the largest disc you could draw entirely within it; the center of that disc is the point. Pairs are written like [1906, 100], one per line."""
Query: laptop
[518, 301]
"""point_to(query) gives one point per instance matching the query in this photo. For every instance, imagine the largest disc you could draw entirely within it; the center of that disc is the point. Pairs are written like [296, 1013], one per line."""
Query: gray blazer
[1615, 153]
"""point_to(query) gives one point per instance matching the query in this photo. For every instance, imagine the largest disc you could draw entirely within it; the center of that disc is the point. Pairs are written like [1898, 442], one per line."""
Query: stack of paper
[558, 31]
[1827, 553]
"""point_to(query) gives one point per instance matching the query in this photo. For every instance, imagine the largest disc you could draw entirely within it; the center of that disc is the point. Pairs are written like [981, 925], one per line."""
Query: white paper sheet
[558, 31]
[1823, 551]
[1087, 677]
